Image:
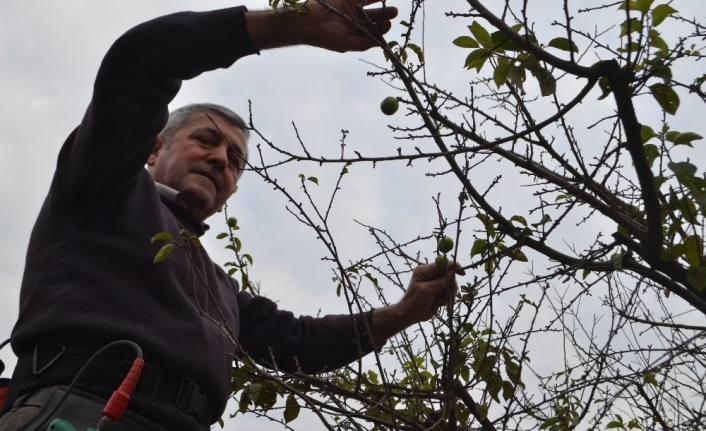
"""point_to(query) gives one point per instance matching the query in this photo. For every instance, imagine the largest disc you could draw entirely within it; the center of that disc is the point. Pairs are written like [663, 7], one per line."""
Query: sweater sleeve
[139, 76]
[306, 343]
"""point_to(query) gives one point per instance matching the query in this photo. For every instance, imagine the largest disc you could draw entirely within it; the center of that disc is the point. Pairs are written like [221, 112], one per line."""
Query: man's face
[203, 162]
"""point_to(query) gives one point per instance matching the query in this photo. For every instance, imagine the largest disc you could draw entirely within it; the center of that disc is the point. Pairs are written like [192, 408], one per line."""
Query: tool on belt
[113, 409]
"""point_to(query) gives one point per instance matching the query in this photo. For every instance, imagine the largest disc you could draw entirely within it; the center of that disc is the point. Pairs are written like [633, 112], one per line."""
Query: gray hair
[180, 117]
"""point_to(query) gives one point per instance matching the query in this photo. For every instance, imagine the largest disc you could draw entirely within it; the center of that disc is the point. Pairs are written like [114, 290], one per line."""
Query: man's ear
[158, 145]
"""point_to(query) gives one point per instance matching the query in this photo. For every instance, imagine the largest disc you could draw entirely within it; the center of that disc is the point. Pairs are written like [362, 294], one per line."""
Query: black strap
[51, 365]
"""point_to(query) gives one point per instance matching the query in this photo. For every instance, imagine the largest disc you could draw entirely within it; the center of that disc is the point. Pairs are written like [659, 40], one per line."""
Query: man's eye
[204, 140]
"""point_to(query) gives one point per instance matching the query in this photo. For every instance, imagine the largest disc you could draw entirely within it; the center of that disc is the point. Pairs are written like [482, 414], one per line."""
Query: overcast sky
[50, 52]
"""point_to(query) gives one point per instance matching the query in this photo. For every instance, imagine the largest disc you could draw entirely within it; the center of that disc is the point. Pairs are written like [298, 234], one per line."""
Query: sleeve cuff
[363, 324]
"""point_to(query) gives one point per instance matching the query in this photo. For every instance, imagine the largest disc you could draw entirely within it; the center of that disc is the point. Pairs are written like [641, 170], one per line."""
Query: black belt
[50, 365]
[80, 409]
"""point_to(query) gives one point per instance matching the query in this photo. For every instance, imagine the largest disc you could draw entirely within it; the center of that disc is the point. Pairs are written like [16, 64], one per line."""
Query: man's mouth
[216, 180]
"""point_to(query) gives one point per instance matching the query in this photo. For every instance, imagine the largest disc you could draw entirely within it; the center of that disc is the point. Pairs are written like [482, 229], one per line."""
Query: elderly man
[90, 279]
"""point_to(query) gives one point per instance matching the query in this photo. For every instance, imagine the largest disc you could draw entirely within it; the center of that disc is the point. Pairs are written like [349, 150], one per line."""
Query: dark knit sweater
[90, 278]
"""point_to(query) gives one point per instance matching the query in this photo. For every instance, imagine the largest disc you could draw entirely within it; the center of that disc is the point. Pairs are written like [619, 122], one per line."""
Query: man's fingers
[431, 272]
[441, 299]
[380, 14]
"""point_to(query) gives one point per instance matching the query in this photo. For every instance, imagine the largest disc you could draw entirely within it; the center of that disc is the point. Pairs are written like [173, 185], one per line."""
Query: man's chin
[198, 206]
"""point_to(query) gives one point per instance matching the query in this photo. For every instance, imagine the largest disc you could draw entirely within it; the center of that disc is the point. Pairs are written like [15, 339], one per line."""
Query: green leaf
[614, 424]
[666, 97]
[563, 44]
[671, 253]
[163, 253]
[659, 43]
[244, 402]
[652, 152]
[644, 5]
[476, 59]
[671, 136]
[508, 390]
[623, 231]
[604, 85]
[254, 392]
[646, 133]
[162, 236]
[417, 50]
[686, 138]
[518, 256]
[291, 411]
[494, 386]
[481, 35]
[232, 271]
[650, 378]
[659, 68]
[617, 260]
[549, 422]
[519, 219]
[629, 48]
[314, 180]
[479, 246]
[518, 77]
[659, 181]
[634, 424]
[248, 257]
[221, 235]
[482, 411]
[631, 3]
[547, 83]
[630, 25]
[512, 370]
[700, 199]
[693, 250]
[660, 13]
[502, 71]
[585, 273]
[466, 42]
[502, 43]
[682, 169]
[697, 278]
[545, 219]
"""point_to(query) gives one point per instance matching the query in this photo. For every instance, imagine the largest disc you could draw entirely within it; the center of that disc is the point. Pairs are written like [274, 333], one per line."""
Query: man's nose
[218, 157]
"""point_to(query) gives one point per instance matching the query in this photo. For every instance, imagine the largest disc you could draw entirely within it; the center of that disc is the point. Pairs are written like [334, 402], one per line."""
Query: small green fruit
[442, 263]
[389, 105]
[445, 244]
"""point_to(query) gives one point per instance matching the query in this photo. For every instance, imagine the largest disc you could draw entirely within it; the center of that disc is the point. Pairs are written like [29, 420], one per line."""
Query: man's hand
[329, 24]
[428, 291]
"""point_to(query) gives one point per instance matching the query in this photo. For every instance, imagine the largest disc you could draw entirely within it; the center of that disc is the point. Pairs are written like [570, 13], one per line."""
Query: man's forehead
[216, 124]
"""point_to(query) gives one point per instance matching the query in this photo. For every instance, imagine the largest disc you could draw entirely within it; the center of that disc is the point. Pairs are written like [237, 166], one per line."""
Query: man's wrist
[277, 28]
[387, 322]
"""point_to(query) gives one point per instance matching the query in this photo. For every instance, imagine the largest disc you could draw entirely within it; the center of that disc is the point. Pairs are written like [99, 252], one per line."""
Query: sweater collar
[174, 197]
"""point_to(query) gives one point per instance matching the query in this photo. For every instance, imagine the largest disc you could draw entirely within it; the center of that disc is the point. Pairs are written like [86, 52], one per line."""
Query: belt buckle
[147, 386]
[191, 400]
[35, 357]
